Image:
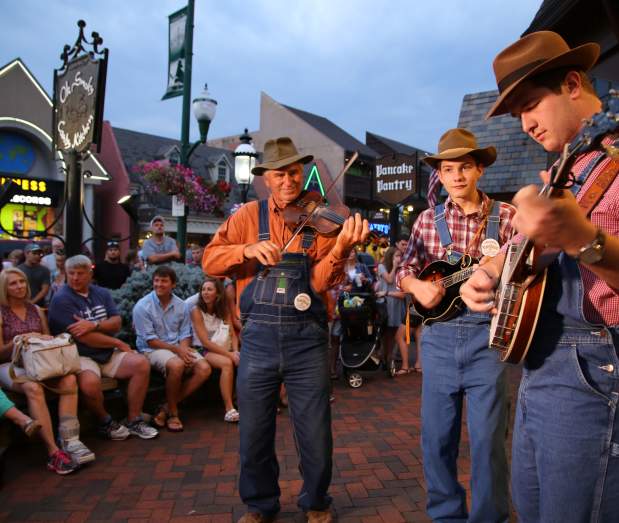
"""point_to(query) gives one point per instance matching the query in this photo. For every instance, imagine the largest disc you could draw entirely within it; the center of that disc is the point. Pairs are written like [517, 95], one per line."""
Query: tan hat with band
[279, 153]
[458, 142]
[534, 54]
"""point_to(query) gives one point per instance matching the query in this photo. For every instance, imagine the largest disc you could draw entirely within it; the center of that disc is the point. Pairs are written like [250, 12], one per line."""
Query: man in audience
[196, 255]
[163, 327]
[38, 275]
[159, 248]
[111, 273]
[89, 314]
[49, 260]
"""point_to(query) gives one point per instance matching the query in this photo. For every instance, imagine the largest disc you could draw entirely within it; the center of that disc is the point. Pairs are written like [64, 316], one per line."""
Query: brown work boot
[254, 517]
[319, 516]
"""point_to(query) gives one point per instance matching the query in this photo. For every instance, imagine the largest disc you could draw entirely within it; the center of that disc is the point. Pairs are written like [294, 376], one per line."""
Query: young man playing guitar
[456, 360]
[565, 457]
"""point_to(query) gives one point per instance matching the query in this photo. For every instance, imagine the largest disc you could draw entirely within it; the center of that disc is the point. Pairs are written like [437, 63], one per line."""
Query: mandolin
[450, 276]
[521, 288]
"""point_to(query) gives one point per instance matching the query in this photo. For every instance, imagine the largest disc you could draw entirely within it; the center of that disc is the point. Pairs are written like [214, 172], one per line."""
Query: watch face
[592, 254]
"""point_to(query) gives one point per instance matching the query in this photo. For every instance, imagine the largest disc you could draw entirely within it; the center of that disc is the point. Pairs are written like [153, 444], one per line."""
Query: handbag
[43, 359]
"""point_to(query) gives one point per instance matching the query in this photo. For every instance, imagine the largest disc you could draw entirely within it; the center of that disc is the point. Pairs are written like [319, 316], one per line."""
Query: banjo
[521, 288]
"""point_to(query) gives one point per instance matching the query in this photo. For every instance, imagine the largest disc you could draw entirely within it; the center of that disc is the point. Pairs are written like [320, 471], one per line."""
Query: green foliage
[139, 284]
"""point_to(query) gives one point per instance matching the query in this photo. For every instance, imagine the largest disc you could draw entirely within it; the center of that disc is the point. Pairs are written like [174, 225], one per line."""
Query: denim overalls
[565, 456]
[458, 364]
[284, 339]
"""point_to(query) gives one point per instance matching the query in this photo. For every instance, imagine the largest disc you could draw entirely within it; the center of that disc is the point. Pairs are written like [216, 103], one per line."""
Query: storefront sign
[78, 102]
[394, 178]
[35, 192]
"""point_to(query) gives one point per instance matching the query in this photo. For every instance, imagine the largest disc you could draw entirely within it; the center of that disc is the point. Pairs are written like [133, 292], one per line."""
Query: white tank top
[218, 331]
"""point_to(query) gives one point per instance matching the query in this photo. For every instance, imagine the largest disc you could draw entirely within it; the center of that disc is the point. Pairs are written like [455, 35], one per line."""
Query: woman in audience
[20, 317]
[134, 261]
[59, 276]
[214, 335]
[9, 411]
[396, 308]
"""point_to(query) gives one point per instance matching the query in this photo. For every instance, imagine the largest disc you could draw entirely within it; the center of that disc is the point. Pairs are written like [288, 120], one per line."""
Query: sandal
[232, 416]
[173, 423]
[159, 419]
[402, 372]
[31, 428]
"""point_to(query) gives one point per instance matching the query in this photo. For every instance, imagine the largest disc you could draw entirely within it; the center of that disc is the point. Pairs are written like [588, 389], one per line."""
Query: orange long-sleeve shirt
[223, 256]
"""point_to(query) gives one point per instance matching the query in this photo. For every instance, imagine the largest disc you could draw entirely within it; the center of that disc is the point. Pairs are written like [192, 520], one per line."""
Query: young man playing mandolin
[456, 359]
[565, 457]
[285, 335]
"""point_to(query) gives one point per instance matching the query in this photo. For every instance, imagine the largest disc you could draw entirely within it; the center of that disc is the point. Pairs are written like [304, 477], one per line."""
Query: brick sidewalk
[192, 476]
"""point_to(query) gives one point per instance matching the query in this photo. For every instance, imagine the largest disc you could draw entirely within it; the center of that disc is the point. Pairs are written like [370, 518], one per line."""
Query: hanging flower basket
[198, 194]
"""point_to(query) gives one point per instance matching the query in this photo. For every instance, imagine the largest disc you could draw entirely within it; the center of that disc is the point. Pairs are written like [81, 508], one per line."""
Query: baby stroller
[361, 333]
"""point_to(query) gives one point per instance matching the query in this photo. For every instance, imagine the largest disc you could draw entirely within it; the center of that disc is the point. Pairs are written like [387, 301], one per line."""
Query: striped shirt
[424, 245]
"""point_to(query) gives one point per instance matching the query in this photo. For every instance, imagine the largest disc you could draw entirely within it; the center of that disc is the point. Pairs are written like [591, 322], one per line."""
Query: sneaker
[114, 431]
[78, 452]
[60, 463]
[140, 429]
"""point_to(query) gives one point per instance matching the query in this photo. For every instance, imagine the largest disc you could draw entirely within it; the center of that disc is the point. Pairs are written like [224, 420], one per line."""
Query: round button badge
[490, 247]
[302, 302]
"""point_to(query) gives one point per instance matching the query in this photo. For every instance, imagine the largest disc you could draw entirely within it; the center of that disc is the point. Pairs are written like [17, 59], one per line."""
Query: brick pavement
[192, 476]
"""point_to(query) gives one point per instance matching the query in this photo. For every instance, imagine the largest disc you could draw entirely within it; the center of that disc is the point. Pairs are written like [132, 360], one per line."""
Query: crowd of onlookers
[183, 340]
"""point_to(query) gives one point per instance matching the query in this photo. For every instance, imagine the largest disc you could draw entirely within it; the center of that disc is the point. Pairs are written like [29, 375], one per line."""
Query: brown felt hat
[456, 143]
[279, 153]
[534, 54]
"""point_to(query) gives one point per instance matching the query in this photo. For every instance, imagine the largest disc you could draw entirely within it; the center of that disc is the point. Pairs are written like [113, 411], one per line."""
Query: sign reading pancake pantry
[394, 178]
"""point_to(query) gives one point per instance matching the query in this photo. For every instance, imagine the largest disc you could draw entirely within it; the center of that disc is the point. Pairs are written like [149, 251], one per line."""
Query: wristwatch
[592, 252]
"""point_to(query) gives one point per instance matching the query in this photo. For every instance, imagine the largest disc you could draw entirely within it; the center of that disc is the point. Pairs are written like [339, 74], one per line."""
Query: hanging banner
[176, 53]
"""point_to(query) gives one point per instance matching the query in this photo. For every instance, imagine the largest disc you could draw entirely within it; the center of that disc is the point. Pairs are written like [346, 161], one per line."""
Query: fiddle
[310, 209]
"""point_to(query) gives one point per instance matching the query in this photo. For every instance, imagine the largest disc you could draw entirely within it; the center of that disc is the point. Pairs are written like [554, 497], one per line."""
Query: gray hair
[76, 261]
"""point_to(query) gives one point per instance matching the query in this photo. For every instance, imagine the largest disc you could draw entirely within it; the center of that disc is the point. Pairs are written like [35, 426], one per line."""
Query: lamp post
[244, 161]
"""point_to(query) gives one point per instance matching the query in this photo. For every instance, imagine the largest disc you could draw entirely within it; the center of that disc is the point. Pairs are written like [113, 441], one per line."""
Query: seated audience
[111, 273]
[38, 275]
[196, 255]
[214, 334]
[134, 261]
[49, 260]
[16, 257]
[20, 317]
[59, 275]
[159, 248]
[163, 327]
[9, 411]
[90, 315]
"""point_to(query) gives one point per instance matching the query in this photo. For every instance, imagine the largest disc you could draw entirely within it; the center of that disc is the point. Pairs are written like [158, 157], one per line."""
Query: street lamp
[204, 109]
[244, 161]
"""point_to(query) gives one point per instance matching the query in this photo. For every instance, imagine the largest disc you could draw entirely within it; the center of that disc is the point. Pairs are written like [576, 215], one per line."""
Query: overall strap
[492, 228]
[443, 233]
[308, 239]
[263, 216]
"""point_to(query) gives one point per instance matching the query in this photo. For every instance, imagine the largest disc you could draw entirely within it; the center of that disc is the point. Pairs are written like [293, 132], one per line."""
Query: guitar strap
[491, 218]
[597, 189]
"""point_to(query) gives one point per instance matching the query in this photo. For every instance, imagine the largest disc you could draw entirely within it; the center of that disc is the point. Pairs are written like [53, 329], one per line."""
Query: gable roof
[519, 158]
[333, 132]
[391, 145]
[136, 147]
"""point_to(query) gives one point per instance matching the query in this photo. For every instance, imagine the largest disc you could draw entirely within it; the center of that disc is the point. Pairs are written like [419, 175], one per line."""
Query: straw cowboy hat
[279, 153]
[534, 54]
[456, 143]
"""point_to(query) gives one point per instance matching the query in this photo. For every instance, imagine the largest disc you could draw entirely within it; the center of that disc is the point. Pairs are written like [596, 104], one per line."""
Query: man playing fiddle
[284, 337]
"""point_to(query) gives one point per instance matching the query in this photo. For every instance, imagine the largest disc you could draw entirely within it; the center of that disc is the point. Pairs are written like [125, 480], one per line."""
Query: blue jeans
[295, 354]
[457, 364]
[565, 456]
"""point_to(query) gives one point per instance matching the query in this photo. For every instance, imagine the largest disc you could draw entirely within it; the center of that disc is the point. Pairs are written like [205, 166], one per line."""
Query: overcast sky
[398, 68]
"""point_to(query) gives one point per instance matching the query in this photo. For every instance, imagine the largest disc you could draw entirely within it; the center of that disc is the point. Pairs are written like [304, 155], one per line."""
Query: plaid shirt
[424, 245]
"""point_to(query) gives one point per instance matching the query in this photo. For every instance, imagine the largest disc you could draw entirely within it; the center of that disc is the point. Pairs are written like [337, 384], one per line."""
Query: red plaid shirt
[424, 245]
